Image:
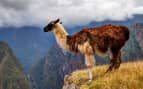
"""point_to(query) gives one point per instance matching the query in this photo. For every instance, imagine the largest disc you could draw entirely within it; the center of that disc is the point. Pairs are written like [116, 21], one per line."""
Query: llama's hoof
[89, 80]
[116, 67]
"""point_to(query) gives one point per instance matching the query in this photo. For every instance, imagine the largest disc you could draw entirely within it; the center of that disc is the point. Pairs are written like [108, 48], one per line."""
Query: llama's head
[51, 25]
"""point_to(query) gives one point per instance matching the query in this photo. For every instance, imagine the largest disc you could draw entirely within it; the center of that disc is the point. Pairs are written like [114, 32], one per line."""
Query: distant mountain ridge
[28, 43]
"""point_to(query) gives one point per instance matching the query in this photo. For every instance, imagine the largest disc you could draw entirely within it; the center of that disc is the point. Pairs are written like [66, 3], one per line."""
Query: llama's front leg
[90, 62]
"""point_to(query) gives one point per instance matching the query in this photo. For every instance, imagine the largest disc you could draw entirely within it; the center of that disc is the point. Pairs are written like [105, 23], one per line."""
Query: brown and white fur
[92, 40]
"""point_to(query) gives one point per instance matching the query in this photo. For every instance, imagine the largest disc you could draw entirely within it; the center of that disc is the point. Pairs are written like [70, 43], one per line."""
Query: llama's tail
[126, 32]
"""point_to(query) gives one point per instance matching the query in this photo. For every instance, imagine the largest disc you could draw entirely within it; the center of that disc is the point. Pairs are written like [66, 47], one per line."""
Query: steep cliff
[133, 49]
[50, 71]
[11, 72]
[139, 33]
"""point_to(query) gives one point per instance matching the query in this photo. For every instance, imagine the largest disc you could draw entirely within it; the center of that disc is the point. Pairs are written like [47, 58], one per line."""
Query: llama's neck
[61, 36]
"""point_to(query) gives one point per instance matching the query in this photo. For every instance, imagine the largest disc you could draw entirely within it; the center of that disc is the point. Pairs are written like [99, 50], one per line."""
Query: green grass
[129, 76]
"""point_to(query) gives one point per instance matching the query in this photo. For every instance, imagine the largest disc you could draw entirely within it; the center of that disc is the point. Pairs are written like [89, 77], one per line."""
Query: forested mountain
[11, 71]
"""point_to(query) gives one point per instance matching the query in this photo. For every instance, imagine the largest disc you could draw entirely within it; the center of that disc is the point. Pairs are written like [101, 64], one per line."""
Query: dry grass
[129, 76]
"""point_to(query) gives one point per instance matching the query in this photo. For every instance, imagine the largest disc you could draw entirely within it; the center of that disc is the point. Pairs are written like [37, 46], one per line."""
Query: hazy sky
[71, 12]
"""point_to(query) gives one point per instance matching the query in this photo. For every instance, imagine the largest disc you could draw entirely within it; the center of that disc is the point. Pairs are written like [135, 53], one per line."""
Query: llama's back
[110, 31]
[102, 37]
[105, 36]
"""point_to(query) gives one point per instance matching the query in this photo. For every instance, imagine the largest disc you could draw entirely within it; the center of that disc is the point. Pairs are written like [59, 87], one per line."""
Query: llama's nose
[44, 29]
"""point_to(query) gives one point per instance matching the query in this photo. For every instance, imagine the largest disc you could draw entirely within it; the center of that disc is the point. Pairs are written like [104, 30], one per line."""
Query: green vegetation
[11, 73]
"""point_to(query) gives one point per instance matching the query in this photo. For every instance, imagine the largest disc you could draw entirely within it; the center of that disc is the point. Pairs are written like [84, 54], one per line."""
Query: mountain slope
[11, 72]
[129, 76]
[133, 49]
[49, 72]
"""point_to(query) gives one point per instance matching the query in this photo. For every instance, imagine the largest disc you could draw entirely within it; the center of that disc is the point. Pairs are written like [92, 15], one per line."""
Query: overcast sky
[71, 12]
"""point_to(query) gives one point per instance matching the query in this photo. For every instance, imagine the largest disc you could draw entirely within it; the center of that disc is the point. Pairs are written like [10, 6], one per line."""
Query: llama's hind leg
[90, 62]
[115, 59]
[110, 67]
[118, 61]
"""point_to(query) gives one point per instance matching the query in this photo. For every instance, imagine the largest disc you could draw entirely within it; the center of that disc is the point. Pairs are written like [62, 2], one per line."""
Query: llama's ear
[57, 20]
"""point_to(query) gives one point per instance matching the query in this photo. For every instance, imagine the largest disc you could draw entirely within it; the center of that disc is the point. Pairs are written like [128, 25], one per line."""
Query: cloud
[14, 4]
[71, 12]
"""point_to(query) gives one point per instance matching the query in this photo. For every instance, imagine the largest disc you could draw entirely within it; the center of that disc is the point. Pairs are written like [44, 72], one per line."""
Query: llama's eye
[60, 22]
[52, 23]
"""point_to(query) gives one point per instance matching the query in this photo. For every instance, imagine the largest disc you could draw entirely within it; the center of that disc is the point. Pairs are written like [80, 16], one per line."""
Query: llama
[92, 40]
